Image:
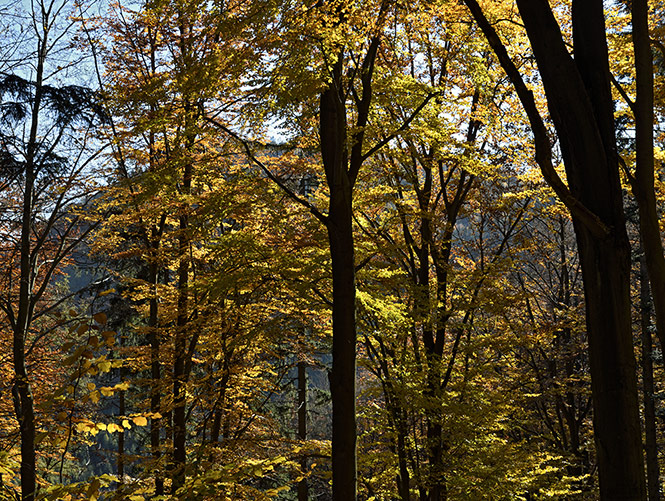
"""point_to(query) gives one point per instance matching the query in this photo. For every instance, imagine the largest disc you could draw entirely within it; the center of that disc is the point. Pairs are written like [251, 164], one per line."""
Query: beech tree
[578, 91]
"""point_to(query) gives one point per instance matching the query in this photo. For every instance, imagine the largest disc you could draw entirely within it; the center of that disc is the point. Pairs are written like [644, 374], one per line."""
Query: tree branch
[248, 151]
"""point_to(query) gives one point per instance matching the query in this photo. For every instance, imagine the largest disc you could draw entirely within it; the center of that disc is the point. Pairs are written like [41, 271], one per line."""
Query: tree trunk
[22, 391]
[155, 373]
[334, 153]
[643, 184]
[180, 355]
[343, 375]
[121, 439]
[580, 103]
[302, 425]
[651, 444]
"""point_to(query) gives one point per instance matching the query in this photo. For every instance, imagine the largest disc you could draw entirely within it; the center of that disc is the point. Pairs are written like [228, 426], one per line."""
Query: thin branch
[622, 92]
[248, 151]
[402, 128]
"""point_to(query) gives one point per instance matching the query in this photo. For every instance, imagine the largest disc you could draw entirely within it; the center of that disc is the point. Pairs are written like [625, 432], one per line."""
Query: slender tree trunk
[155, 373]
[121, 439]
[180, 355]
[643, 184]
[651, 444]
[404, 478]
[22, 391]
[220, 403]
[302, 425]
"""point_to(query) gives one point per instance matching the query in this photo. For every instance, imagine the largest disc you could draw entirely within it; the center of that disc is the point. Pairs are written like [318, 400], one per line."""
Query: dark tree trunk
[334, 153]
[651, 444]
[22, 391]
[155, 372]
[302, 425]
[643, 184]
[153, 243]
[580, 103]
[182, 334]
[343, 374]
[342, 162]
[181, 352]
[121, 439]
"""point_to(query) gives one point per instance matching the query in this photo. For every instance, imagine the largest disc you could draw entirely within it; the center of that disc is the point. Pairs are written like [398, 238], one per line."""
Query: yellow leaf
[84, 426]
[104, 366]
[91, 386]
[101, 426]
[107, 391]
[126, 424]
[93, 490]
[94, 396]
[112, 428]
[140, 421]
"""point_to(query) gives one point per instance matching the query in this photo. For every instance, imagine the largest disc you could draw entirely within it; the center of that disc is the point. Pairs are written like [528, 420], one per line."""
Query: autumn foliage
[330, 250]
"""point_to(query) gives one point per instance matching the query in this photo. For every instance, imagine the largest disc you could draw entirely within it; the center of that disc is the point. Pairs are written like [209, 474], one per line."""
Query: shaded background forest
[193, 192]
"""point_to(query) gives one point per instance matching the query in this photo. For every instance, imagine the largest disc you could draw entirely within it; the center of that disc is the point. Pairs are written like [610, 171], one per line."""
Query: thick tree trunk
[343, 375]
[580, 103]
[651, 444]
[614, 388]
[334, 153]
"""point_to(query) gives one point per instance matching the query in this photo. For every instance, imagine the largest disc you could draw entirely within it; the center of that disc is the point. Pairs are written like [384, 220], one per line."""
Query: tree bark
[580, 103]
[343, 374]
[334, 153]
[180, 354]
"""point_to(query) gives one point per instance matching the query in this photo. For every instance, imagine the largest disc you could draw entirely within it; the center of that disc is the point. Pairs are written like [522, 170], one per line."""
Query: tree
[580, 103]
[52, 165]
